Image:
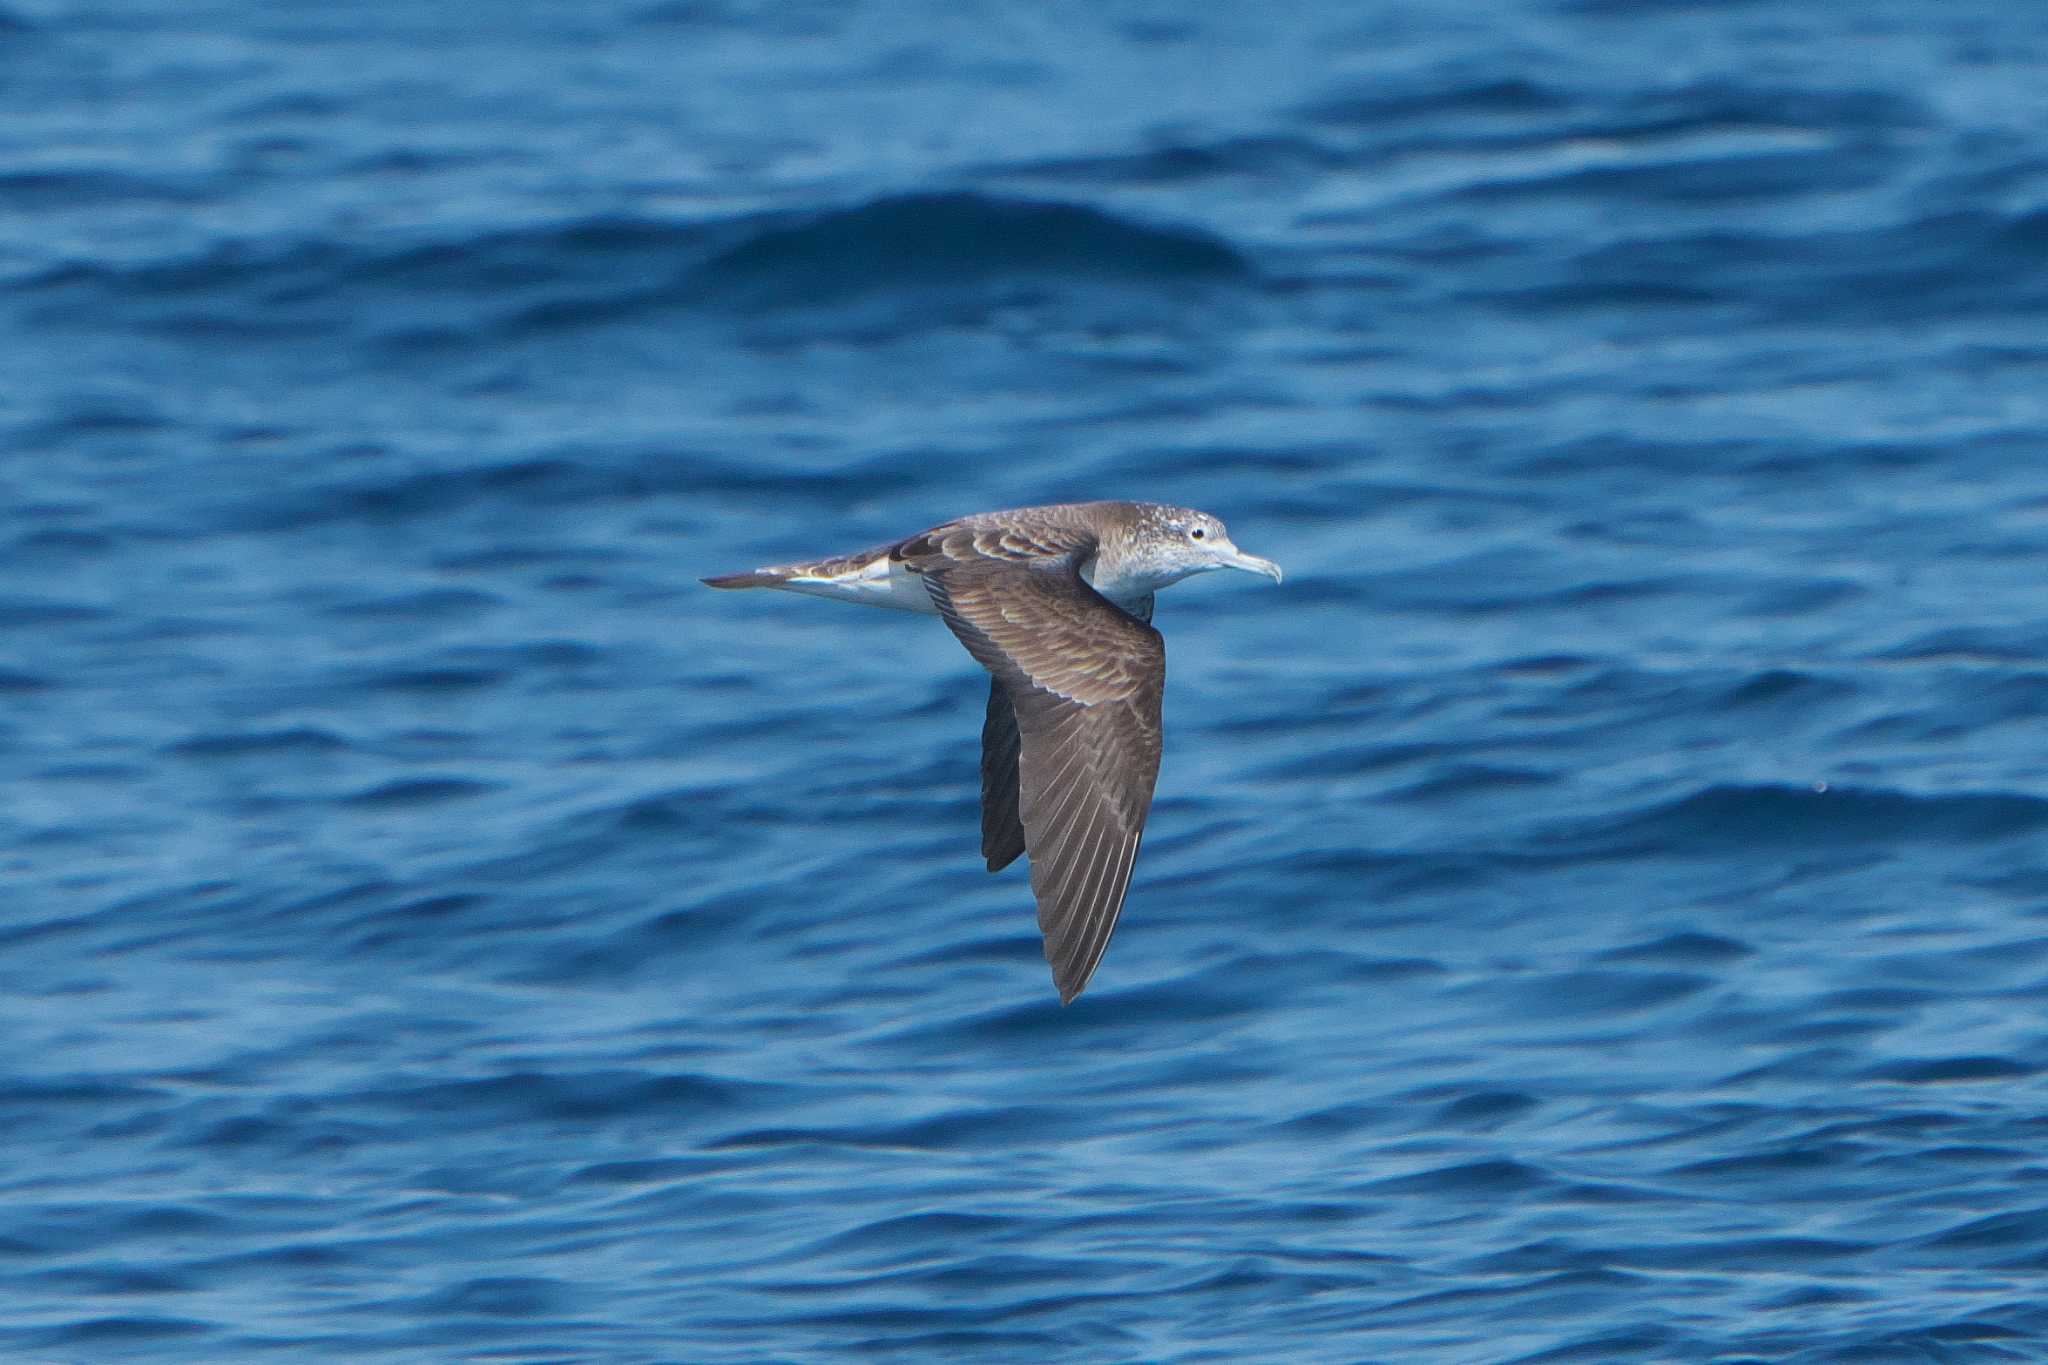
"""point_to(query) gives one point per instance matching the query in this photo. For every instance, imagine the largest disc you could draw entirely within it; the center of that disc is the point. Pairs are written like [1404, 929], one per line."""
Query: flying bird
[1056, 603]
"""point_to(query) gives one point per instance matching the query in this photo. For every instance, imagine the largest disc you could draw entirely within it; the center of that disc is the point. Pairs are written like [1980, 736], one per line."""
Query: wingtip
[1069, 989]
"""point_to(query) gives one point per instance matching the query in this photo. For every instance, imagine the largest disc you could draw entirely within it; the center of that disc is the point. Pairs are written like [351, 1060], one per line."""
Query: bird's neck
[1128, 585]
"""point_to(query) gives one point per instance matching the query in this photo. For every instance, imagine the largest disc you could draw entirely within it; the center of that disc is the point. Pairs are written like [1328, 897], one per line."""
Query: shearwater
[1056, 603]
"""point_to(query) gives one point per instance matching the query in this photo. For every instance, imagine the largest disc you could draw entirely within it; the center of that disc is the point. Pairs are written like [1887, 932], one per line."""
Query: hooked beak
[1235, 558]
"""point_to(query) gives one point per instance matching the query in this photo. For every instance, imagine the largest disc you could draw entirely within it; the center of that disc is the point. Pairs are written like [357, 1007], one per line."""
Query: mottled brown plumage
[1056, 603]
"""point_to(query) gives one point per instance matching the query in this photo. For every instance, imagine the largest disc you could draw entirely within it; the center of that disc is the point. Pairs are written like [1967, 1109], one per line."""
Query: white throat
[1128, 590]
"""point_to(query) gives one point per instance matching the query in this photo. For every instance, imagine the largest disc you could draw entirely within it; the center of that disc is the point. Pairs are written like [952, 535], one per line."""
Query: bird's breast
[1132, 593]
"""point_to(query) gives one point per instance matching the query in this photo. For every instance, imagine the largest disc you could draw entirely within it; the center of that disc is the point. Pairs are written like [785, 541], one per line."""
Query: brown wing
[1085, 681]
[1002, 832]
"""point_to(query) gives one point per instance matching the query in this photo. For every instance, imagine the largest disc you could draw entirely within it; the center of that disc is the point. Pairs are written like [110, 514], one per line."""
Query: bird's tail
[839, 575]
[753, 578]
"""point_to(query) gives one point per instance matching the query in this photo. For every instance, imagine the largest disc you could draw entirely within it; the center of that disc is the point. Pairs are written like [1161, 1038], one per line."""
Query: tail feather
[753, 578]
[867, 578]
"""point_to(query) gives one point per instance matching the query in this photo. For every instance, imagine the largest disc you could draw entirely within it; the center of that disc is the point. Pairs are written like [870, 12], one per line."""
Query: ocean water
[1596, 910]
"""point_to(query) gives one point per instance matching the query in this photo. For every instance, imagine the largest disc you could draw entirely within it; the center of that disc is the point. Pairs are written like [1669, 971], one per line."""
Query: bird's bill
[1234, 558]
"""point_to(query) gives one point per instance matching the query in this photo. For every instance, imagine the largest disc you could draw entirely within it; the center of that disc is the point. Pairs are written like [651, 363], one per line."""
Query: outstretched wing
[1084, 681]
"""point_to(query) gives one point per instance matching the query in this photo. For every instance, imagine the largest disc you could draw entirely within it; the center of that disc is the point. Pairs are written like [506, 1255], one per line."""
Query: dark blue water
[1596, 910]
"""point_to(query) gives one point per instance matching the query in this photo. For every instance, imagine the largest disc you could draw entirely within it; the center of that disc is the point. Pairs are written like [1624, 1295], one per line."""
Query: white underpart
[1127, 593]
[878, 583]
[882, 582]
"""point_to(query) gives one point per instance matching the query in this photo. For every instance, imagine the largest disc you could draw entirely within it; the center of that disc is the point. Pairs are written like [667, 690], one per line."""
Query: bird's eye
[1198, 533]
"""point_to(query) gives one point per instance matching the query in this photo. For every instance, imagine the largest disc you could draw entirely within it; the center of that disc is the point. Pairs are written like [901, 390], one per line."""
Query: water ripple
[1592, 911]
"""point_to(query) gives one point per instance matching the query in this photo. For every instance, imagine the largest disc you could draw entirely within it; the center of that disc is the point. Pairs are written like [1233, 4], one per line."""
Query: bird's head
[1180, 541]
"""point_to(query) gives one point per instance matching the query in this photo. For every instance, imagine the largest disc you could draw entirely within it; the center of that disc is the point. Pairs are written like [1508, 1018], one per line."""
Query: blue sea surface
[1596, 910]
